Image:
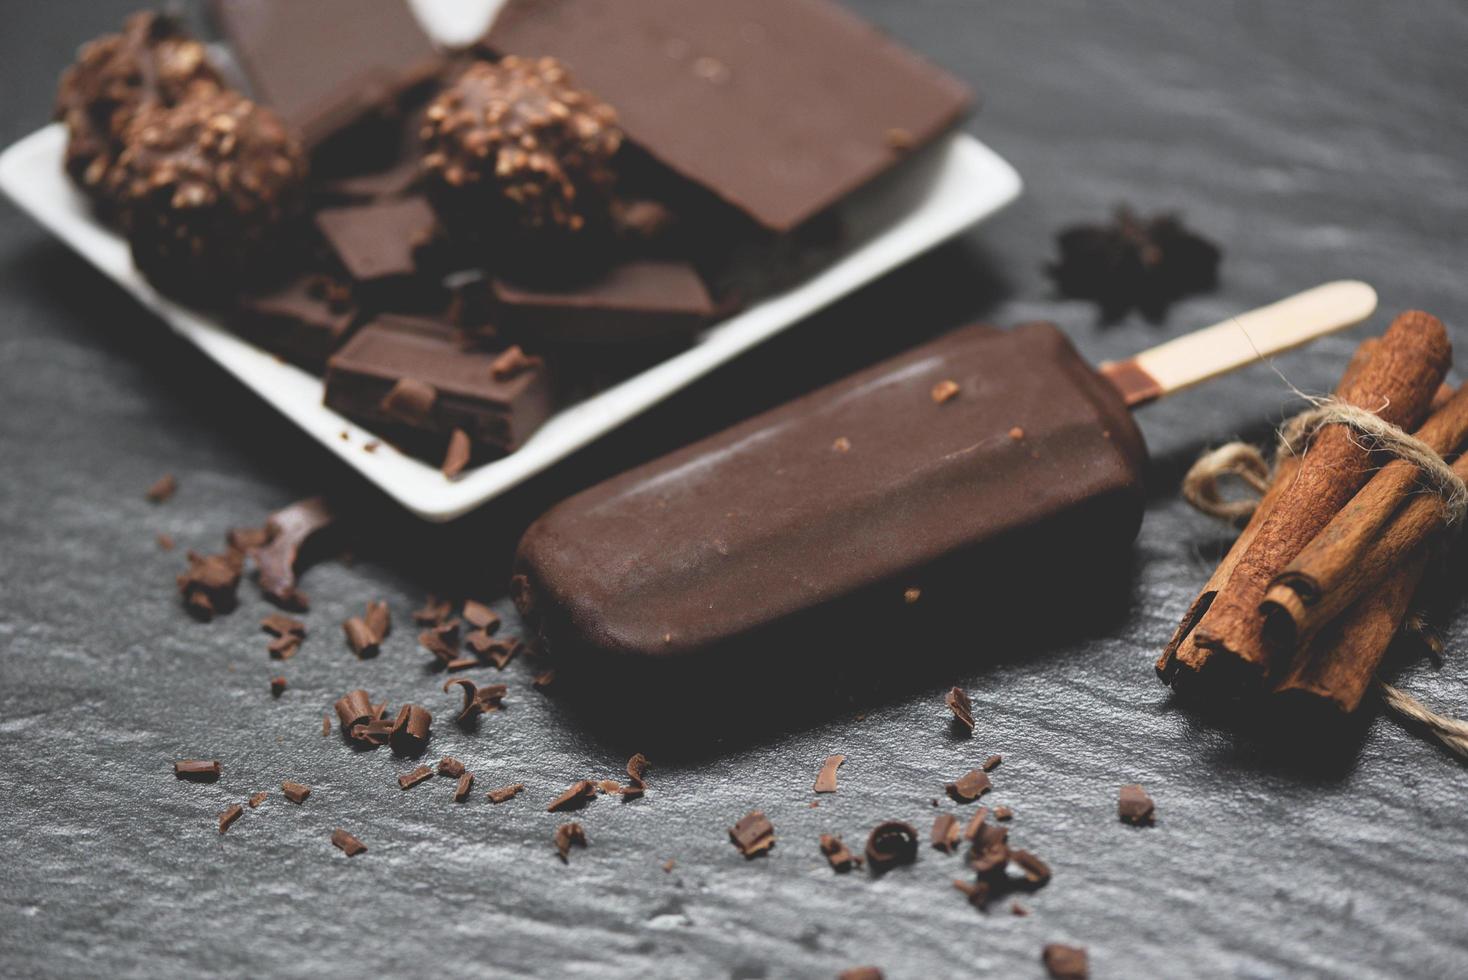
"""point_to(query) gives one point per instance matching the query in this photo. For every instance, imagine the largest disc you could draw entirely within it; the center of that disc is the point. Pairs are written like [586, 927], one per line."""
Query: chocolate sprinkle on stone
[360, 637]
[465, 784]
[1065, 962]
[961, 706]
[577, 795]
[289, 529]
[504, 793]
[277, 686]
[992, 763]
[280, 625]
[411, 779]
[837, 854]
[477, 700]
[975, 823]
[568, 834]
[451, 767]
[480, 616]
[410, 732]
[347, 842]
[163, 489]
[258, 798]
[165, 542]
[946, 833]
[434, 611]
[753, 834]
[197, 770]
[637, 767]
[354, 710]
[1037, 872]
[1003, 813]
[890, 844]
[211, 583]
[969, 787]
[826, 778]
[295, 792]
[1135, 806]
[860, 973]
[990, 854]
[228, 817]
[378, 620]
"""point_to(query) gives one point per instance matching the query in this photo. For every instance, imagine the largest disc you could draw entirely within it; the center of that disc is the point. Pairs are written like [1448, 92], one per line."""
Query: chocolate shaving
[826, 778]
[498, 653]
[969, 787]
[992, 763]
[289, 530]
[411, 779]
[456, 456]
[277, 686]
[354, 710]
[543, 680]
[976, 823]
[1003, 813]
[1135, 806]
[480, 616]
[568, 834]
[837, 854]
[378, 620]
[347, 842]
[442, 640]
[504, 793]
[978, 892]
[243, 540]
[257, 798]
[1037, 872]
[281, 625]
[860, 973]
[410, 732]
[1017, 909]
[163, 489]
[465, 784]
[284, 647]
[228, 817]
[637, 767]
[165, 542]
[577, 795]
[513, 363]
[946, 833]
[1065, 962]
[990, 854]
[451, 767]
[434, 611]
[410, 402]
[461, 663]
[477, 700]
[753, 834]
[197, 770]
[326, 724]
[210, 584]
[295, 792]
[890, 844]
[961, 706]
[360, 637]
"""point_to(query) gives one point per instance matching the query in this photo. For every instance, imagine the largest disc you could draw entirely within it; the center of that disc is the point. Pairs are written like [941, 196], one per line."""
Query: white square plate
[951, 188]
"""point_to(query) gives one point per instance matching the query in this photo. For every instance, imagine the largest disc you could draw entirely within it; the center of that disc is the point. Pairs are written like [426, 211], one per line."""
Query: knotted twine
[1246, 463]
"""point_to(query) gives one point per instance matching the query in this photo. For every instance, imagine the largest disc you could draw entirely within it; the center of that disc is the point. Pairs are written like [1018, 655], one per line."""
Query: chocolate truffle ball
[207, 189]
[151, 62]
[515, 144]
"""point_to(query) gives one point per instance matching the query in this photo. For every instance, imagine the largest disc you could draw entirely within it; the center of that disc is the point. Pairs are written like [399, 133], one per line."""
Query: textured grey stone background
[1314, 139]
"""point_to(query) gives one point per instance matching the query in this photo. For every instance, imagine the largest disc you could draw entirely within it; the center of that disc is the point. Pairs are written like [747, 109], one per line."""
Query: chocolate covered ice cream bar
[939, 471]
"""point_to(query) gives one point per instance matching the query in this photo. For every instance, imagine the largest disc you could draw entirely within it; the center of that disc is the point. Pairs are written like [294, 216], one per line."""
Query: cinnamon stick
[1363, 544]
[1182, 658]
[1397, 383]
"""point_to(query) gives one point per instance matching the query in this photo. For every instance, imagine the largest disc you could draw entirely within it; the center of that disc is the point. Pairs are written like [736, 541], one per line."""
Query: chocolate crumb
[1135, 806]
[326, 724]
[295, 792]
[944, 390]
[504, 793]
[1016, 433]
[992, 763]
[962, 708]
[568, 834]
[1017, 909]
[371, 447]
[946, 833]
[838, 855]
[669, 865]
[1003, 813]
[347, 842]
[512, 363]
[842, 444]
[442, 640]
[228, 817]
[411, 779]
[451, 767]
[281, 625]
[1065, 962]
[465, 784]
[753, 834]
[577, 795]
[197, 770]
[165, 542]
[826, 778]
[968, 787]
[284, 647]
[637, 767]
[258, 798]
[456, 457]
[860, 973]
[164, 488]
[277, 686]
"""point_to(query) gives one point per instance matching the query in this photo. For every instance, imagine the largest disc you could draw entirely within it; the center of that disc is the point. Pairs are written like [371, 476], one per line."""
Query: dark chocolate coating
[779, 107]
[859, 498]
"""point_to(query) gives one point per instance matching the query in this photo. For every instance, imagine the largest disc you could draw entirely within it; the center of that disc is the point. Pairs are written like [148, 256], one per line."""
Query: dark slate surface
[1315, 139]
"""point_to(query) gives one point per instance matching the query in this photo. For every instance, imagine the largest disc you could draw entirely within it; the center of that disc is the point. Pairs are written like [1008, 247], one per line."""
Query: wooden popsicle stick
[1203, 354]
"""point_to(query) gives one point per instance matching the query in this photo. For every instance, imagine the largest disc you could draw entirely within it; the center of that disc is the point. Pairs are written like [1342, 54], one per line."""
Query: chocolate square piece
[327, 64]
[382, 246]
[393, 351]
[302, 321]
[779, 107]
[637, 300]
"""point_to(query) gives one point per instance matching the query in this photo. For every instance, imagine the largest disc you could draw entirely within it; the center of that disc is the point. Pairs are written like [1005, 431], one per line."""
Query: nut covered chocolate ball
[516, 142]
[207, 188]
[151, 62]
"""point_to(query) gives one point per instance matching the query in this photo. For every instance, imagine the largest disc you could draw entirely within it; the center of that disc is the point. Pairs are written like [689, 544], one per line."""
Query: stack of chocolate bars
[449, 236]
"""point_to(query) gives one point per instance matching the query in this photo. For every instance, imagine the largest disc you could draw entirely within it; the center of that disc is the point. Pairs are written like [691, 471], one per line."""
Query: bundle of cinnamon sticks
[1318, 584]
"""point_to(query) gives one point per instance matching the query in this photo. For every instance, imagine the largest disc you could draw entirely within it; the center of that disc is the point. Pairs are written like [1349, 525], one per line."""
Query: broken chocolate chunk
[1135, 806]
[753, 834]
[229, 816]
[837, 853]
[946, 833]
[295, 792]
[411, 779]
[465, 784]
[197, 770]
[451, 767]
[1134, 262]
[163, 489]
[890, 844]
[568, 834]
[504, 793]
[969, 787]
[992, 763]
[477, 700]
[961, 706]
[826, 778]
[1065, 962]
[410, 732]
[577, 795]
[347, 842]
[289, 530]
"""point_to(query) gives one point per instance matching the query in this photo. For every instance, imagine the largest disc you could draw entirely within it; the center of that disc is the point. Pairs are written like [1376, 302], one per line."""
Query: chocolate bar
[636, 300]
[386, 248]
[412, 380]
[779, 107]
[938, 467]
